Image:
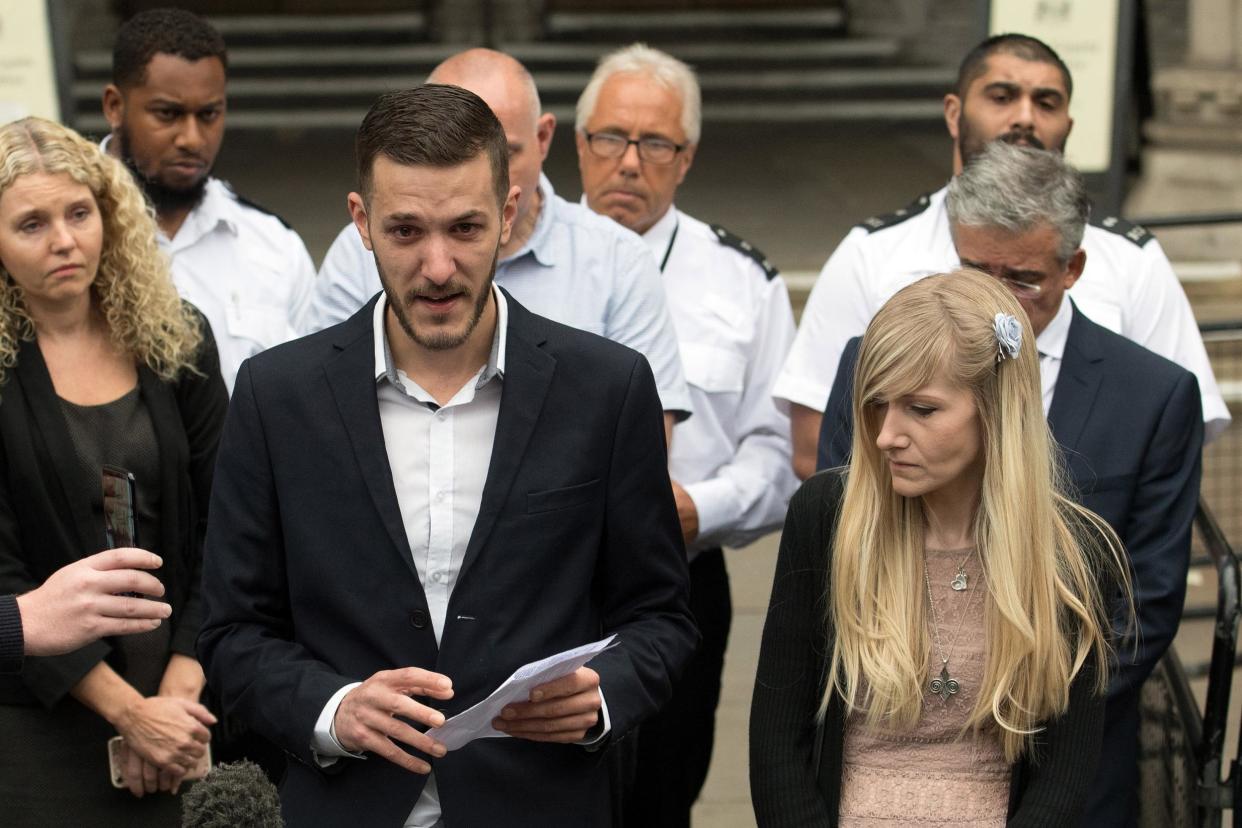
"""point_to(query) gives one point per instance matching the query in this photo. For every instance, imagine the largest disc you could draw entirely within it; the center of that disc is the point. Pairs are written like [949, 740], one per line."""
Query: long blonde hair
[145, 316]
[1042, 554]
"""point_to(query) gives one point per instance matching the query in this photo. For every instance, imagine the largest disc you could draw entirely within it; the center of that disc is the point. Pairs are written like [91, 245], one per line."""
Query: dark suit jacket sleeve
[836, 430]
[1057, 774]
[792, 660]
[12, 644]
[1157, 534]
[641, 577]
[202, 401]
[246, 645]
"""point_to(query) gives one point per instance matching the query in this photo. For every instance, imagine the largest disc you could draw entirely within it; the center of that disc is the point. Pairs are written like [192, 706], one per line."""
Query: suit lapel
[1078, 382]
[49, 419]
[528, 373]
[351, 376]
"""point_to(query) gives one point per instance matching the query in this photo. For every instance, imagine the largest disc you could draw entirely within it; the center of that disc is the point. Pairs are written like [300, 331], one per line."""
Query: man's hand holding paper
[563, 710]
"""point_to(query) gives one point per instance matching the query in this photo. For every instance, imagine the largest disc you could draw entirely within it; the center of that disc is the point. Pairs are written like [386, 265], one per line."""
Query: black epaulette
[747, 249]
[253, 206]
[897, 217]
[1136, 233]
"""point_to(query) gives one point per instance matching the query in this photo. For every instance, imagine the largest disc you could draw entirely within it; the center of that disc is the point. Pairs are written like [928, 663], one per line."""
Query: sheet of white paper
[476, 722]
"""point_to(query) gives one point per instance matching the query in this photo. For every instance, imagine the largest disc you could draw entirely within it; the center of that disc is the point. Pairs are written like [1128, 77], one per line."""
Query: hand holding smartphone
[116, 763]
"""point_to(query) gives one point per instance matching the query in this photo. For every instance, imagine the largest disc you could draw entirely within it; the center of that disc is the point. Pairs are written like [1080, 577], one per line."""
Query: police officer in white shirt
[244, 268]
[637, 131]
[1016, 89]
[561, 261]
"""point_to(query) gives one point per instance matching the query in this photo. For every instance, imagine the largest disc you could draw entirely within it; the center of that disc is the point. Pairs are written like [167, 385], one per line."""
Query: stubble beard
[442, 341]
[163, 198]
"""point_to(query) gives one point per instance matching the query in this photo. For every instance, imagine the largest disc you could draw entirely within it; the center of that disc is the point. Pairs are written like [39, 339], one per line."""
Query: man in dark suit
[1128, 421]
[413, 503]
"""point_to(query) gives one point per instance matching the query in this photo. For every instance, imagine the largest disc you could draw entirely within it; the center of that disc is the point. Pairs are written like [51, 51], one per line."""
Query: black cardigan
[1048, 788]
[43, 526]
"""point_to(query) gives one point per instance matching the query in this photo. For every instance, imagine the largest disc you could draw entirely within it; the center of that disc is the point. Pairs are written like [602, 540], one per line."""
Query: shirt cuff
[715, 503]
[596, 735]
[324, 746]
[12, 640]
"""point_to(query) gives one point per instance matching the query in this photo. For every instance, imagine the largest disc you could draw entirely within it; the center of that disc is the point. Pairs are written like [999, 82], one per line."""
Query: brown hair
[434, 125]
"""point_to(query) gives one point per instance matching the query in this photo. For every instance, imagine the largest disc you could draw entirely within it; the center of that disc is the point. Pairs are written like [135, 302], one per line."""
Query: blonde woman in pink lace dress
[936, 647]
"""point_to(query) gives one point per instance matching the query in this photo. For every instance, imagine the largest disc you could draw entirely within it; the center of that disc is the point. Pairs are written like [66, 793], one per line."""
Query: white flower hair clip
[1008, 332]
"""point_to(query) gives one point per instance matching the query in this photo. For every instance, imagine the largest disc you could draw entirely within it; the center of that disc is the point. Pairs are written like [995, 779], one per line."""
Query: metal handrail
[1188, 220]
[1214, 793]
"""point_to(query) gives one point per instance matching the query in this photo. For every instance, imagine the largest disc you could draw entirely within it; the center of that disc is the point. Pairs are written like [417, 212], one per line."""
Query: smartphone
[116, 763]
[119, 499]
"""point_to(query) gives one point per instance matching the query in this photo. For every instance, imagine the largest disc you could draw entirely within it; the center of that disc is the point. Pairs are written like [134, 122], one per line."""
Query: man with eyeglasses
[561, 261]
[637, 128]
[1128, 421]
[1015, 89]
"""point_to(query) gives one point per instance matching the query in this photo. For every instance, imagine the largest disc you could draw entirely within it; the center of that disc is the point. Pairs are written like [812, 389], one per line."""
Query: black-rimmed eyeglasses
[651, 150]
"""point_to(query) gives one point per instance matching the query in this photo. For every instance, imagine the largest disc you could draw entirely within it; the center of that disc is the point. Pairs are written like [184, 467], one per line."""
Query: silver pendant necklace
[960, 581]
[944, 685]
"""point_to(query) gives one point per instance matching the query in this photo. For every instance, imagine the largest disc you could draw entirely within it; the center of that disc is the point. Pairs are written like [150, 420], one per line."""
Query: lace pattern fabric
[933, 774]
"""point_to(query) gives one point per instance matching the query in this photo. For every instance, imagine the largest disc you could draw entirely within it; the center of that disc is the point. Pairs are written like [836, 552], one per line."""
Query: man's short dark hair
[434, 125]
[162, 32]
[1019, 45]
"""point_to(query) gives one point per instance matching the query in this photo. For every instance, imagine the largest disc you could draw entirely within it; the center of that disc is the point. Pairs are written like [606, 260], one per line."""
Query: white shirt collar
[1051, 341]
[385, 369]
[209, 213]
[660, 234]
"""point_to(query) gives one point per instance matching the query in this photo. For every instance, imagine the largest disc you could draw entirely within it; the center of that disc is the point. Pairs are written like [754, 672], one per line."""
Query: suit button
[419, 619]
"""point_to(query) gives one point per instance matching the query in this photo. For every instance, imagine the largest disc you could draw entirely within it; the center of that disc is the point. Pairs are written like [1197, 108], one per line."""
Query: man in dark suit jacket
[412, 504]
[1128, 421]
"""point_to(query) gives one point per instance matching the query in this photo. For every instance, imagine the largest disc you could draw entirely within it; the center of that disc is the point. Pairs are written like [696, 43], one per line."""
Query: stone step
[655, 27]
[91, 122]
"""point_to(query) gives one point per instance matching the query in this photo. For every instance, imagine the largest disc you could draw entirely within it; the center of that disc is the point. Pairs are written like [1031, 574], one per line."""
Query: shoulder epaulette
[746, 249]
[253, 206]
[1136, 233]
[898, 216]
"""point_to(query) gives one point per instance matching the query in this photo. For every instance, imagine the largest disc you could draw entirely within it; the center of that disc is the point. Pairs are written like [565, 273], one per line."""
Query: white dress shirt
[577, 268]
[1051, 347]
[1126, 287]
[734, 326]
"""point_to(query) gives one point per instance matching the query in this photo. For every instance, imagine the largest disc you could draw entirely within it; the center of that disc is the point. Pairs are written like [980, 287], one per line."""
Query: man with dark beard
[411, 504]
[244, 268]
[1016, 89]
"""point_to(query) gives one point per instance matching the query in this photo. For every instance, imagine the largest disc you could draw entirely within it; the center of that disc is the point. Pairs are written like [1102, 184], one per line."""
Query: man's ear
[1074, 268]
[685, 160]
[358, 212]
[952, 112]
[545, 128]
[113, 106]
[509, 212]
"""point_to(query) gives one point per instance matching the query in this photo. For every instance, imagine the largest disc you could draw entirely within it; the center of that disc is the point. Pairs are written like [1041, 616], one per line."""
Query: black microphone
[232, 796]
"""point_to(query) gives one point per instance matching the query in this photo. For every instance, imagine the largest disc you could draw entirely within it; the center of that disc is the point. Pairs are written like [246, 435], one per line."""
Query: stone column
[1194, 161]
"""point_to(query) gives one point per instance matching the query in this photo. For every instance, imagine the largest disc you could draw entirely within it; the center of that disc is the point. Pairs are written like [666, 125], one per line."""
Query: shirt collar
[660, 234]
[385, 368]
[1051, 341]
[210, 213]
[542, 243]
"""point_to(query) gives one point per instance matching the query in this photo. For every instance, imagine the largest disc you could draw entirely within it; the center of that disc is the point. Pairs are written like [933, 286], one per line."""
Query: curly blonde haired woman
[935, 651]
[100, 364]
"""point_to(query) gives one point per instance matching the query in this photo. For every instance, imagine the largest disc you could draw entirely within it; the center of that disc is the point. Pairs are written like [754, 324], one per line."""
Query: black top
[1047, 789]
[120, 433]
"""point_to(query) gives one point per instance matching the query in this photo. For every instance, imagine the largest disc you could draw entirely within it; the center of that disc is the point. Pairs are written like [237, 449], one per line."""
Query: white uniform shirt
[577, 268]
[734, 326]
[245, 270]
[1126, 287]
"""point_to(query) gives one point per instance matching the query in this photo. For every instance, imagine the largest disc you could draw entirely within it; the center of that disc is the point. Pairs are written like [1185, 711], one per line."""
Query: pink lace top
[933, 775]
